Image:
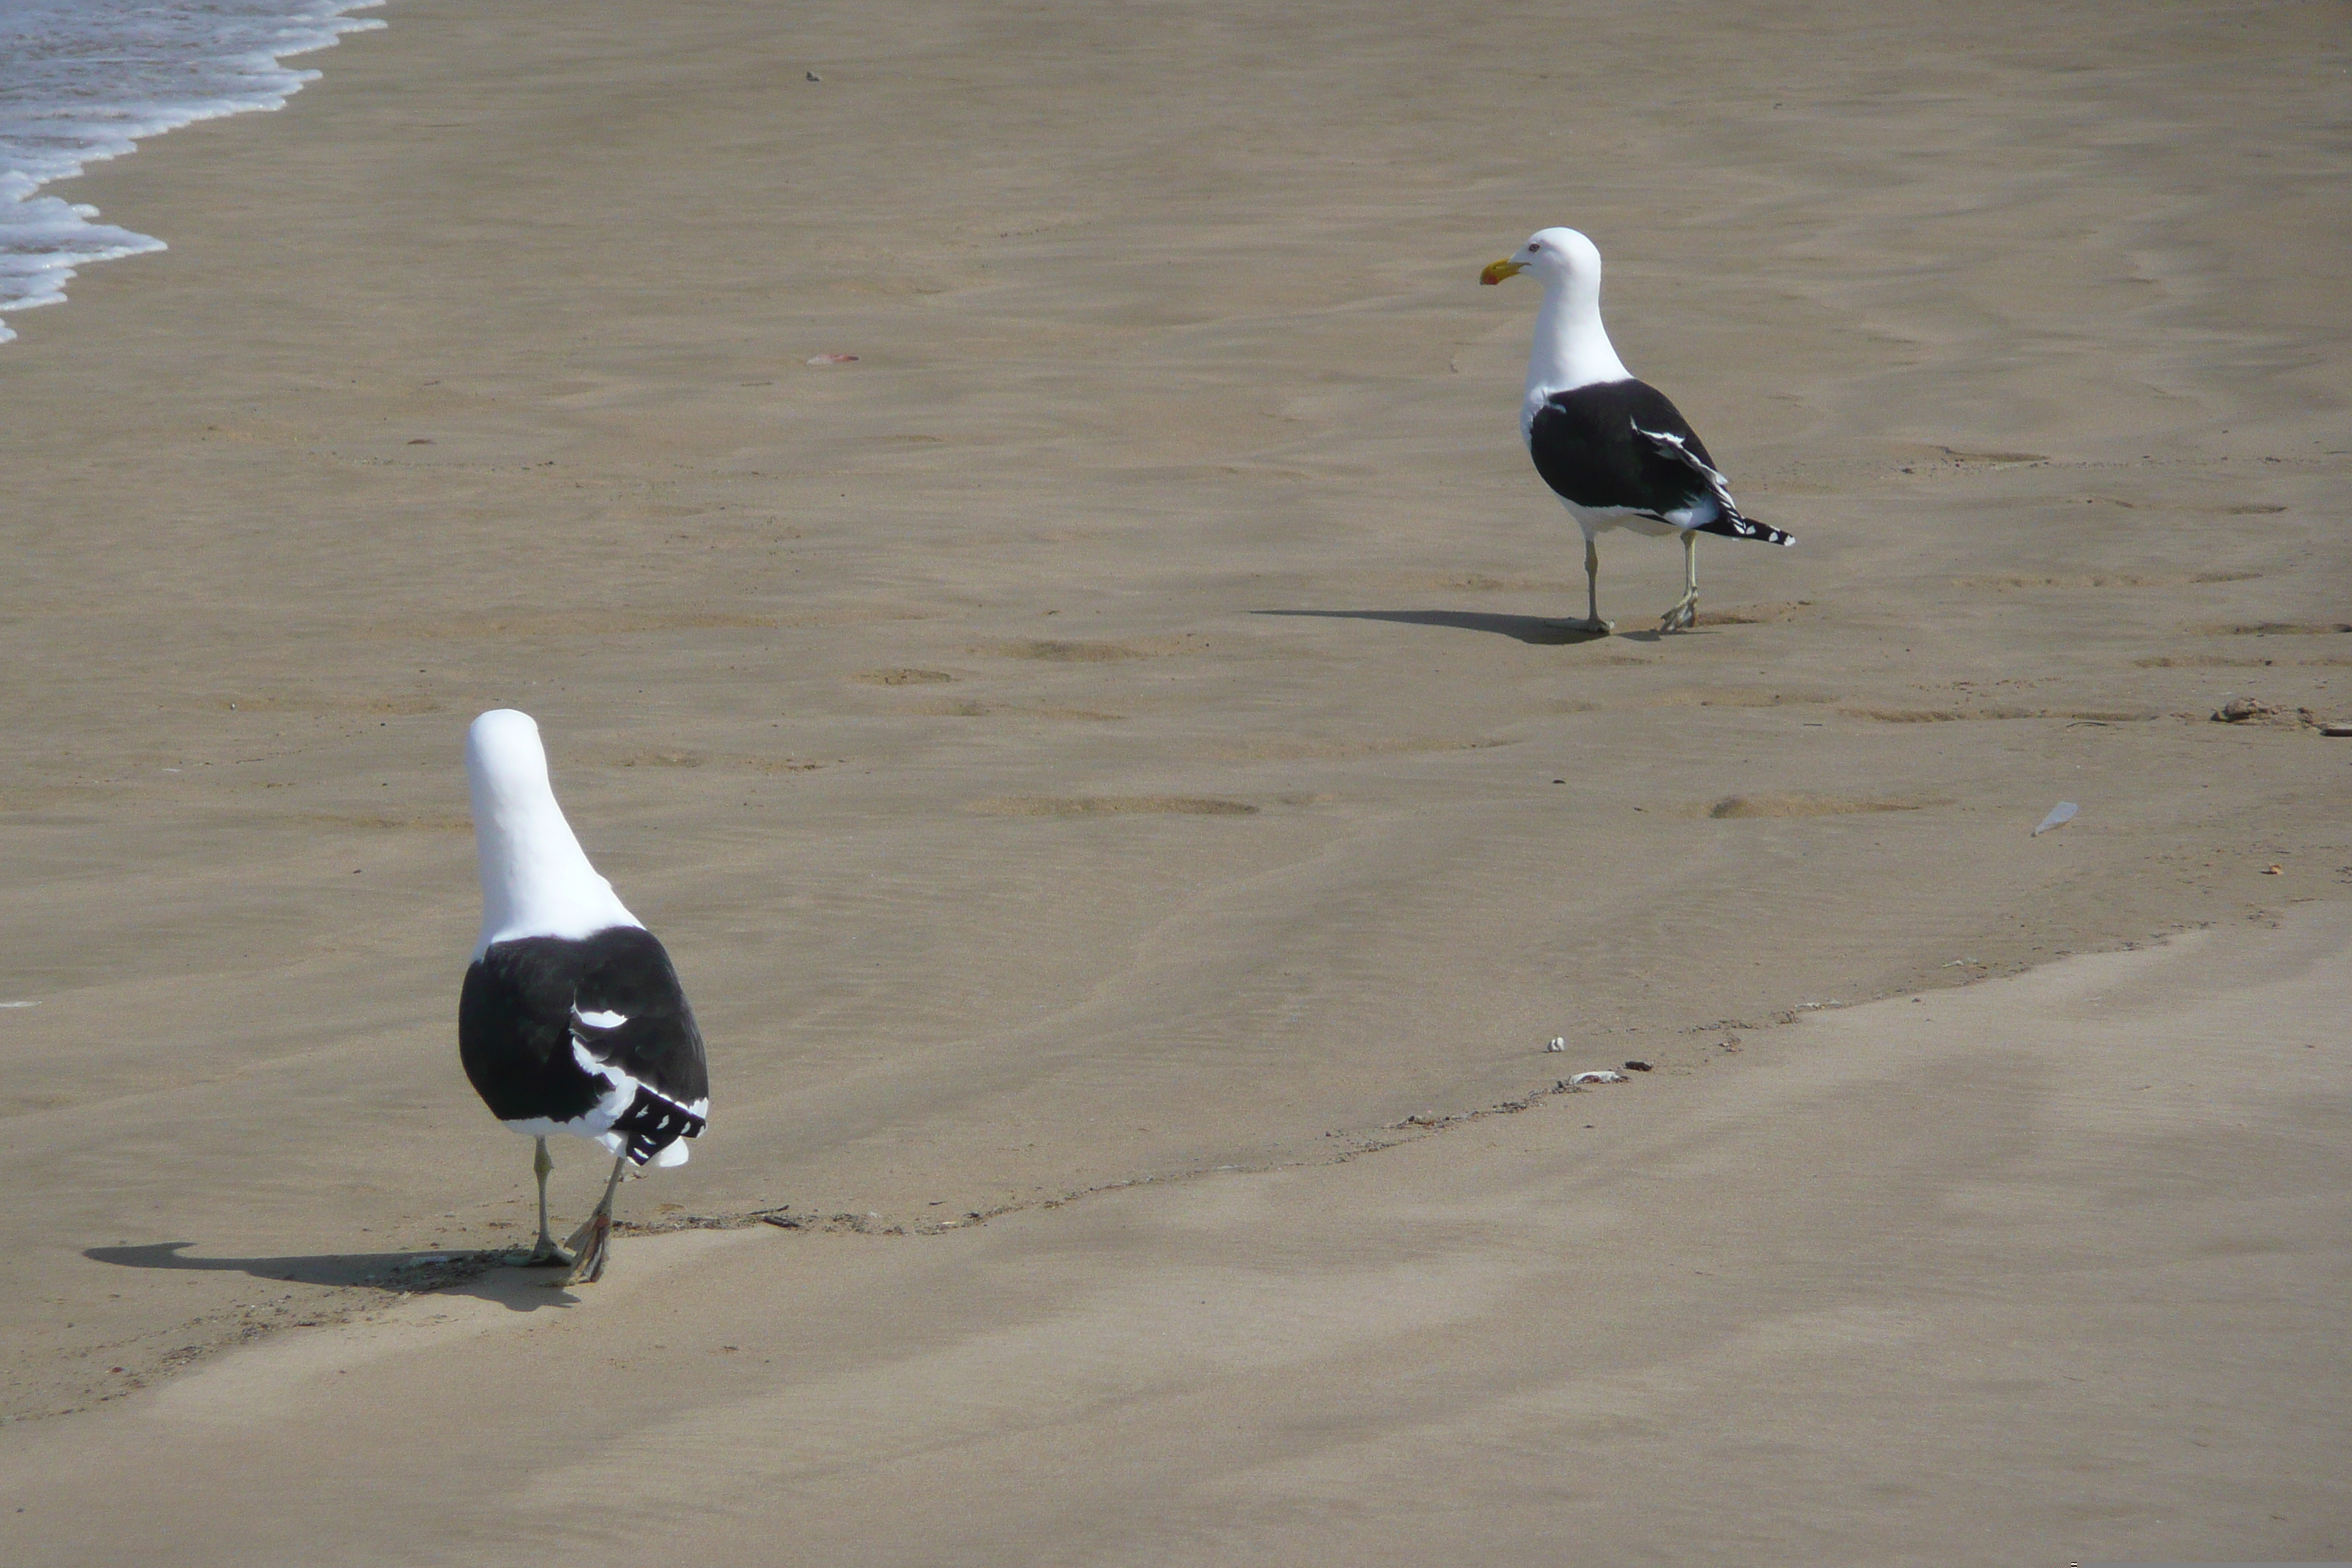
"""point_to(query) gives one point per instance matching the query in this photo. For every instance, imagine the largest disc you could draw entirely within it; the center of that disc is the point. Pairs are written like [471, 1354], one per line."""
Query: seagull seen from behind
[571, 1019]
[1616, 451]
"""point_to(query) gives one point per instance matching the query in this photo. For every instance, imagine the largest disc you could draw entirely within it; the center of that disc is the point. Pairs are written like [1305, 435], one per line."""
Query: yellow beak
[1507, 268]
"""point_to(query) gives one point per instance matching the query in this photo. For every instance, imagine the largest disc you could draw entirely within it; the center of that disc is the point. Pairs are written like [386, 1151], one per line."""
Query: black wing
[625, 971]
[527, 1001]
[1586, 450]
[1624, 444]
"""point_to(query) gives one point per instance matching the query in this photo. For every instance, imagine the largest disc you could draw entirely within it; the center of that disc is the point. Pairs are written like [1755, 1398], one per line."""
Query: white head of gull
[1571, 347]
[536, 880]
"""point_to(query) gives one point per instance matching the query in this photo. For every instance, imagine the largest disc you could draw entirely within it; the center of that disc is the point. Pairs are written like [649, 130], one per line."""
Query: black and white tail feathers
[1729, 521]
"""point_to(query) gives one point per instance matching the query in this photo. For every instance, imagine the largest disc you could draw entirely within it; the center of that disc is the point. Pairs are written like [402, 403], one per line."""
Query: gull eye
[1532, 246]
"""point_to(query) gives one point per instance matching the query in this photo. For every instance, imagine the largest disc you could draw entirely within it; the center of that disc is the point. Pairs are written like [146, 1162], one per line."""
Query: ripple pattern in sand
[1110, 806]
[1735, 806]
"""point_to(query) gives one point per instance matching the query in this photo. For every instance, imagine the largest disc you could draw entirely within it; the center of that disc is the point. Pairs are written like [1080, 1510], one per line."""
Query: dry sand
[1110, 731]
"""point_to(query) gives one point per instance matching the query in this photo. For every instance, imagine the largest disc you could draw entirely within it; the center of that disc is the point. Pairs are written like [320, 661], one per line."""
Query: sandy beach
[1105, 766]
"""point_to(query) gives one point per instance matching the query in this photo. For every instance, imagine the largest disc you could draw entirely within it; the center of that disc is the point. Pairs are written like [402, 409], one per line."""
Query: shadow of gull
[1519, 628]
[486, 1275]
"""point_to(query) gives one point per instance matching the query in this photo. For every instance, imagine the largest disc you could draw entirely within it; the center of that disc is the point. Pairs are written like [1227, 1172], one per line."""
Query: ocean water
[83, 80]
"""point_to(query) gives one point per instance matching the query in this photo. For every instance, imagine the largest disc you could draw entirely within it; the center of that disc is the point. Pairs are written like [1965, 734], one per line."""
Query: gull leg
[1686, 612]
[545, 1254]
[593, 1240]
[1592, 621]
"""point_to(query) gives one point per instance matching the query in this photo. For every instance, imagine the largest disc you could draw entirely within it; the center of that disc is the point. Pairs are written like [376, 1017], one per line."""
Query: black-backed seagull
[572, 1019]
[1616, 451]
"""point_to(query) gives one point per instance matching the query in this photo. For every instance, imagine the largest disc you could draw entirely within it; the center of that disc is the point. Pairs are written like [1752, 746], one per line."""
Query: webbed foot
[591, 1246]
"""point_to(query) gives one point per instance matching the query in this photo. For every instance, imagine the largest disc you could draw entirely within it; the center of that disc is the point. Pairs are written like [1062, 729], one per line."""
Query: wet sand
[1112, 730]
[2045, 1270]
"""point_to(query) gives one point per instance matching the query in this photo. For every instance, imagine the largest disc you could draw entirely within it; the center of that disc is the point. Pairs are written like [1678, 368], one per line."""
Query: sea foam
[83, 80]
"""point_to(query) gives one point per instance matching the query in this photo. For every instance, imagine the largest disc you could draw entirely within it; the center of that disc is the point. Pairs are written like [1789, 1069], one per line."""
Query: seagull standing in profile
[572, 1019]
[1616, 451]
